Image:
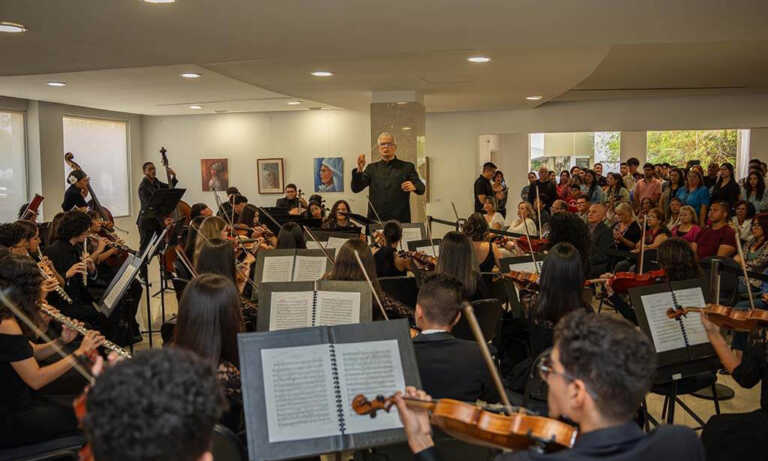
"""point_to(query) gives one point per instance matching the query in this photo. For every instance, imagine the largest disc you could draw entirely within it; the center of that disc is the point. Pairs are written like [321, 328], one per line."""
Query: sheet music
[336, 242]
[369, 368]
[113, 296]
[693, 297]
[313, 245]
[430, 250]
[309, 268]
[410, 234]
[277, 269]
[298, 393]
[525, 267]
[290, 309]
[337, 308]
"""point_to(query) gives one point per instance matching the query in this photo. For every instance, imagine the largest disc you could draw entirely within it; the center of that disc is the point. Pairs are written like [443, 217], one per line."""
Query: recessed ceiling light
[195, 106]
[322, 73]
[479, 59]
[294, 103]
[401, 103]
[534, 98]
[406, 128]
[57, 83]
[160, 1]
[190, 75]
[221, 111]
[11, 27]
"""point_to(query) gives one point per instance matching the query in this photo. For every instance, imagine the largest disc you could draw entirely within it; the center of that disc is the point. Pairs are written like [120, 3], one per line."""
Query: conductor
[391, 182]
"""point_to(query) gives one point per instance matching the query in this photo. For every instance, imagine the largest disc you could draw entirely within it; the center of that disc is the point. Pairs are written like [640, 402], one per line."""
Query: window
[680, 146]
[561, 151]
[101, 149]
[13, 165]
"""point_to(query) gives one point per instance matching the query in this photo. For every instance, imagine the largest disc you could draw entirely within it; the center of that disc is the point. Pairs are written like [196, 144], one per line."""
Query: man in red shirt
[717, 239]
[647, 187]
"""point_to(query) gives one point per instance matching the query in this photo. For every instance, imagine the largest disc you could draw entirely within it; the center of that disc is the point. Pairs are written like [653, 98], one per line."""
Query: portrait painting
[329, 174]
[215, 174]
[270, 175]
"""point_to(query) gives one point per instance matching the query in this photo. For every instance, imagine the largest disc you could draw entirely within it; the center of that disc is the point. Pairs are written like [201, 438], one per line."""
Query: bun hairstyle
[476, 227]
[75, 176]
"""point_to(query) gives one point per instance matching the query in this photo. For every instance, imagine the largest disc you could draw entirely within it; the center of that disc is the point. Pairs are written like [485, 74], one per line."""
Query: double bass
[180, 215]
[94, 204]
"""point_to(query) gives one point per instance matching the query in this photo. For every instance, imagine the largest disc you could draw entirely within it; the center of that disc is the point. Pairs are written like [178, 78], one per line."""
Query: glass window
[561, 151]
[678, 147]
[100, 147]
[13, 165]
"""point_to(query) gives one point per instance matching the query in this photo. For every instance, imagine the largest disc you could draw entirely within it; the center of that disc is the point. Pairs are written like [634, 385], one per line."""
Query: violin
[528, 279]
[523, 243]
[476, 425]
[621, 282]
[727, 317]
[422, 260]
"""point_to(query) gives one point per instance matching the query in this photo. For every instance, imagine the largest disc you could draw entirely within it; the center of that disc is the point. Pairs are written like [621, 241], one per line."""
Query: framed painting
[270, 175]
[214, 173]
[329, 174]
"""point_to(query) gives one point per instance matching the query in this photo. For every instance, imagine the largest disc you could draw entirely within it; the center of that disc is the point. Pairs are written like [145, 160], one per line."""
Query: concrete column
[402, 114]
[758, 144]
[634, 144]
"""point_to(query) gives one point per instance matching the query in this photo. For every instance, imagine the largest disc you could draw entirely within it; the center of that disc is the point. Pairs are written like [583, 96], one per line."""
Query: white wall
[452, 137]
[297, 137]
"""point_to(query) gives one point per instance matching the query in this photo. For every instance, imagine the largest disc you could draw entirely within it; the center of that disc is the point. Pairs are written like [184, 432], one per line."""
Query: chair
[403, 289]
[225, 446]
[61, 448]
[673, 390]
[488, 313]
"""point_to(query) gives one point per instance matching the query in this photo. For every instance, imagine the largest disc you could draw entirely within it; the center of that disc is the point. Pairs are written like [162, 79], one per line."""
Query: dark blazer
[601, 240]
[453, 368]
[626, 442]
[383, 180]
[146, 189]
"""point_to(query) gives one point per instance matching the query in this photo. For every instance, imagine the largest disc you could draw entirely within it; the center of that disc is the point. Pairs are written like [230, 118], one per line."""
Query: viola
[727, 317]
[525, 244]
[528, 279]
[476, 425]
[621, 282]
[422, 260]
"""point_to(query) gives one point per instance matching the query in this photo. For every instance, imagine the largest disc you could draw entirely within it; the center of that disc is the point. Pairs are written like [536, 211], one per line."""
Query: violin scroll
[363, 406]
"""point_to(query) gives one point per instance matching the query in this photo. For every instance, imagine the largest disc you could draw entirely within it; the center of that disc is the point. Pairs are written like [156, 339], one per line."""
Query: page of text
[337, 308]
[277, 269]
[693, 297]
[410, 234]
[290, 309]
[309, 268]
[665, 331]
[336, 242]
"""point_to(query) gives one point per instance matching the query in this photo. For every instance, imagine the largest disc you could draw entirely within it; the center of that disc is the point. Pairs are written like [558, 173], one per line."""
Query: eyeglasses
[387, 144]
[545, 369]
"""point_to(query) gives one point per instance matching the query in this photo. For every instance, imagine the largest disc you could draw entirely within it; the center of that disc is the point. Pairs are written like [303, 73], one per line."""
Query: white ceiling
[256, 55]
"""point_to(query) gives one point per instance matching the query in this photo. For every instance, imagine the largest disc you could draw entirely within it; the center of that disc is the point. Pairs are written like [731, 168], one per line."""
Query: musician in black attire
[149, 221]
[449, 367]
[291, 202]
[598, 374]
[74, 196]
[388, 263]
[390, 182]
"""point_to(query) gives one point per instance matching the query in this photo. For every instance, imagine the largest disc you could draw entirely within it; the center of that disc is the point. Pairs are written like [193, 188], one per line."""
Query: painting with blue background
[329, 174]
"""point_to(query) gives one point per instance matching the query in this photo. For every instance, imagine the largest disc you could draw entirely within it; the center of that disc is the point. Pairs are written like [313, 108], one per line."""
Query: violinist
[338, 218]
[189, 249]
[74, 197]
[217, 256]
[27, 415]
[486, 253]
[567, 227]
[388, 262]
[149, 221]
[200, 209]
[597, 375]
[457, 259]
[449, 367]
[239, 201]
[315, 210]
[291, 236]
[212, 227]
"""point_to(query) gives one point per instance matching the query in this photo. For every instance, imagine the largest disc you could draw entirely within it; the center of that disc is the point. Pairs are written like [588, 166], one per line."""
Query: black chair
[225, 446]
[61, 448]
[403, 289]
[488, 313]
[673, 390]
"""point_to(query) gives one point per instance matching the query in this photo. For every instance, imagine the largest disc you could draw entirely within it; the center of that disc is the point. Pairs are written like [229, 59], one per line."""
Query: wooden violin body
[727, 317]
[621, 282]
[422, 260]
[473, 424]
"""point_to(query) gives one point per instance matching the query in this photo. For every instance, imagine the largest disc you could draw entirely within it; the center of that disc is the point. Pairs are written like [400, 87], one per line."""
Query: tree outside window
[680, 146]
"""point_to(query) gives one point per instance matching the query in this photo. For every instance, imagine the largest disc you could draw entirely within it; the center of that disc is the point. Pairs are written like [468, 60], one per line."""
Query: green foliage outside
[678, 147]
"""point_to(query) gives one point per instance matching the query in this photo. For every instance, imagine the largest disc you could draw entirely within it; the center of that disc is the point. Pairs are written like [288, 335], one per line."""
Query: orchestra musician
[457, 259]
[338, 218]
[390, 182]
[597, 375]
[388, 262]
[74, 197]
[291, 201]
[149, 222]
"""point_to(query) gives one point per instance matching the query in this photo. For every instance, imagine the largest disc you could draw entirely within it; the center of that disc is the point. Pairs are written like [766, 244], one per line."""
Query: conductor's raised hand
[408, 186]
[360, 163]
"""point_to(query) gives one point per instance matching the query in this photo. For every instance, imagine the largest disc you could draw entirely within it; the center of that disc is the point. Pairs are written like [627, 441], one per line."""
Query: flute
[59, 290]
[69, 323]
[85, 256]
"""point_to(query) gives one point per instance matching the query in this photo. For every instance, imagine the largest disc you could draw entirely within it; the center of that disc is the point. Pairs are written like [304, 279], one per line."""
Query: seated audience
[647, 187]
[656, 232]
[687, 227]
[449, 367]
[673, 212]
[717, 239]
[725, 189]
[523, 223]
[743, 214]
[494, 218]
[601, 240]
[753, 191]
[695, 194]
[597, 375]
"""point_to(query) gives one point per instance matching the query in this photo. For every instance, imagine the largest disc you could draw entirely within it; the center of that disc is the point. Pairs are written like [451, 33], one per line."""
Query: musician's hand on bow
[408, 186]
[415, 420]
[294, 211]
[710, 327]
[77, 268]
[361, 163]
[91, 341]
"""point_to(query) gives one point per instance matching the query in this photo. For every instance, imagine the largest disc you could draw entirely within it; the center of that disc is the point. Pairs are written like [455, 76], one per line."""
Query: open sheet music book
[675, 341]
[298, 387]
[291, 265]
[310, 304]
[118, 286]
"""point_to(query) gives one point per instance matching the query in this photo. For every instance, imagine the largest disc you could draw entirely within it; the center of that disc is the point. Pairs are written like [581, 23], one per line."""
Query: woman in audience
[626, 232]
[524, 223]
[695, 194]
[744, 213]
[476, 230]
[28, 416]
[346, 267]
[208, 323]
[656, 233]
[645, 206]
[687, 229]
[673, 217]
[457, 259]
[591, 187]
[494, 218]
[754, 191]
[616, 192]
[527, 187]
[212, 227]
[500, 193]
[338, 217]
[725, 189]
[217, 256]
[291, 236]
[388, 262]
[563, 187]
[756, 251]
[675, 183]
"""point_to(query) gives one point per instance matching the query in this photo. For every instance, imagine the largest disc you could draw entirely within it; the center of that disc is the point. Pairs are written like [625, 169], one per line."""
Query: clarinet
[59, 289]
[69, 323]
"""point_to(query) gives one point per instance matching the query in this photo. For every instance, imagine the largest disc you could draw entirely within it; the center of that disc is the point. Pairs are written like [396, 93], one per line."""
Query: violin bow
[530, 246]
[456, 214]
[470, 313]
[642, 244]
[538, 209]
[378, 218]
[262, 210]
[744, 268]
[184, 260]
[247, 277]
[29, 323]
[370, 285]
[429, 234]
[320, 244]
